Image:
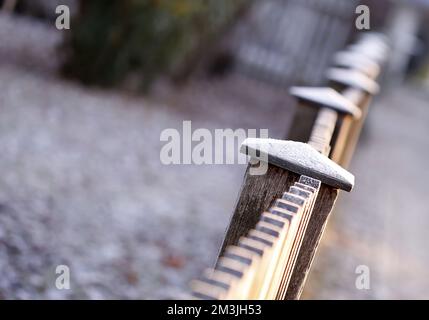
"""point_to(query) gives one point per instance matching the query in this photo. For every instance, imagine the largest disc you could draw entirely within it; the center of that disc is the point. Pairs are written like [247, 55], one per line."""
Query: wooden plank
[262, 262]
[354, 133]
[323, 130]
[345, 124]
[306, 192]
[259, 191]
[346, 140]
[257, 194]
[309, 111]
[340, 137]
[322, 208]
[303, 119]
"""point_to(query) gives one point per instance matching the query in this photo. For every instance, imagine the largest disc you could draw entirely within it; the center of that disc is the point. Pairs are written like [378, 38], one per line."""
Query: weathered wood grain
[354, 133]
[322, 208]
[348, 129]
[340, 137]
[257, 194]
[302, 124]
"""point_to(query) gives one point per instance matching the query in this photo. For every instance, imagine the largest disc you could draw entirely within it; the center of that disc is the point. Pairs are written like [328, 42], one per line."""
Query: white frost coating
[299, 158]
[353, 79]
[356, 60]
[326, 97]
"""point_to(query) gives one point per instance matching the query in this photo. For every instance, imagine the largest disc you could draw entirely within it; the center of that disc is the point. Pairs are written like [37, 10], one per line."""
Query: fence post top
[325, 97]
[374, 36]
[372, 50]
[354, 79]
[299, 158]
[355, 60]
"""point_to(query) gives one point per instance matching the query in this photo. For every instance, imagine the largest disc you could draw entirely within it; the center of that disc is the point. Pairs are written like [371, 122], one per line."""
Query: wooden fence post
[317, 98]
[259, 192]
[358, 88]
[292, 160]
[364, 56]
[337, 114]
[273, 234]
[358, 62]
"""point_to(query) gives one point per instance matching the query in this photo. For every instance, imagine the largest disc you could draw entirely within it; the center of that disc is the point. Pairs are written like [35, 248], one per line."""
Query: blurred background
[81, 115]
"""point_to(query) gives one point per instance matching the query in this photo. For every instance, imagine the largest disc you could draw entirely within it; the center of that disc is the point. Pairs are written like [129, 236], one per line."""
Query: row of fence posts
[280, 216]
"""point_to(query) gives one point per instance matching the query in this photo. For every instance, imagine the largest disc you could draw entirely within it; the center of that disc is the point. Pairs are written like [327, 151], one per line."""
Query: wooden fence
[284, 41]
[280, 216]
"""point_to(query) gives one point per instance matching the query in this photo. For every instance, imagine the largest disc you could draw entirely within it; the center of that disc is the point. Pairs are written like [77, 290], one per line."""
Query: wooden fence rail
[280, 216]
